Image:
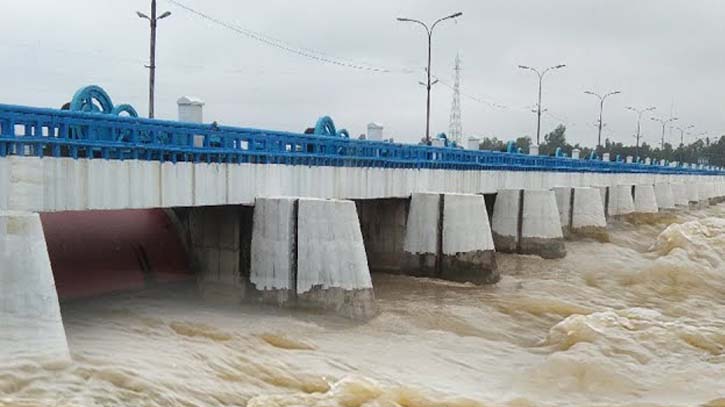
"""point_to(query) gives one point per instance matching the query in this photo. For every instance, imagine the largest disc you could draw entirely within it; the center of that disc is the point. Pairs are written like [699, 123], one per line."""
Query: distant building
[375, 131]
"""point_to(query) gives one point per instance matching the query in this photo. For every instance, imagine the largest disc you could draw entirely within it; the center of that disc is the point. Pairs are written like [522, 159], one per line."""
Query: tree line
[703, 151]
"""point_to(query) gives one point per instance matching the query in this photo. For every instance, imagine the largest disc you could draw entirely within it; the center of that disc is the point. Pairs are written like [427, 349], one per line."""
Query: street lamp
[602, 98]
[640, 113]
[664, 123]
[538, 106]
[153, 20]
[429, 31]
[682, 133]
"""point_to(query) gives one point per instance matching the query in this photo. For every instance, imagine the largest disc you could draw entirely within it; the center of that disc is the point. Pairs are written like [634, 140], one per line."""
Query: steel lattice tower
[455, 130]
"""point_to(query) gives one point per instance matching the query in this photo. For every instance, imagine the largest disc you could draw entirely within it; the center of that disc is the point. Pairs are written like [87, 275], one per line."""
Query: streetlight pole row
[153, 21]
[664, 123]
[640, 113]
[540, 74]
[602, 98]
[429, 31]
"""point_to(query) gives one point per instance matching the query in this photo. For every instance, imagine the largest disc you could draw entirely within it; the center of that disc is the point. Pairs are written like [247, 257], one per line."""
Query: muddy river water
[639, 321]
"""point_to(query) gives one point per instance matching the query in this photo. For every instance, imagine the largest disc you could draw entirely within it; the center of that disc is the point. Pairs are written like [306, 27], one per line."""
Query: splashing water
[634, 322]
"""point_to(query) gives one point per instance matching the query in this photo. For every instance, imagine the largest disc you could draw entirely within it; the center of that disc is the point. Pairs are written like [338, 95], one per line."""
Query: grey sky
[657, 52]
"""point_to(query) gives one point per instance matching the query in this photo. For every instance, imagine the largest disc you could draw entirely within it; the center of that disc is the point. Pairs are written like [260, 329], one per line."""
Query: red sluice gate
[99, 252]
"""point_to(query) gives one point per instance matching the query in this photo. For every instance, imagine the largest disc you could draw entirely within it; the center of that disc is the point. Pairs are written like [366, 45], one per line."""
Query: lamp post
[682, 133]
[540, 74]
[153, 21]
[640, 113]
[602, 98]
[429, 31]
[664, 123]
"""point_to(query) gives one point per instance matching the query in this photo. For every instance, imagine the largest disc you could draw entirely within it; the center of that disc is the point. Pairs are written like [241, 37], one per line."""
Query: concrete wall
[55, 184]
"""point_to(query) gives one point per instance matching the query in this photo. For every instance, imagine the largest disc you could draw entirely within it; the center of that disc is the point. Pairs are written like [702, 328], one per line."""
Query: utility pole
[664, 123]
[640, 113]
[455, 128]
[428, 85]
[602, 98]
[153, 20]
[538, 108]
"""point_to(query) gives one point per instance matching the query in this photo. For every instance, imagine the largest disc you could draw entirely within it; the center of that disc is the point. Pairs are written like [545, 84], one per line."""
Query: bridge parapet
[89, 133]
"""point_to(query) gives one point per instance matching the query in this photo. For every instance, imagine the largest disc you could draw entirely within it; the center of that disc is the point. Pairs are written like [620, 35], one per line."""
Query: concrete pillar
[645, 200]
[693, 194]
[703, 194]
[665, 196]
[604, 192]
[647, 161]
[422, 235]
[621, 201]
[581, 211]
[575, 153]
[506, 219]
[448, 236]
[309, 253]
[605, 157]
[30, 321]
[528, 222]
[533, 149]
[679, 193]
[630, 159]
[332, 269]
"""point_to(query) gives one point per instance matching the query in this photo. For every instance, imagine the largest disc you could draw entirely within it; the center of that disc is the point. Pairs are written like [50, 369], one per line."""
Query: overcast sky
[664, 53]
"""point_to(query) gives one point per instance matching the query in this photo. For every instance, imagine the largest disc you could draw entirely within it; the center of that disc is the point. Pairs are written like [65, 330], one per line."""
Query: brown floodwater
[639, 321]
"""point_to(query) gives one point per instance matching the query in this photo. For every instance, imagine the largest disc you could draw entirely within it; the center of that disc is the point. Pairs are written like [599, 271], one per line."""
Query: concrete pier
[32, 326]
[645, 200]
[621, 201]
[468, 253]
[679, 193]
[693, 195]
[309, 253]
[448, 236]
[665, 196]
[528, 222]
[581, 211]
[506, 220]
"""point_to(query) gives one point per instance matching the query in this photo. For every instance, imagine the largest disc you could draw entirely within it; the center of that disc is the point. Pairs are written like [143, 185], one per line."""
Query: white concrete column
[528, 222]
[332, 268]
[468, 249]
[541, 228]
[630, 159]
[505, 220]
[422, 235]
[448, 236]
[575, 153]
[309, 253]
[621, 201]
[534, 149]
[693, 194]
[581, 211]
[30, 321]
[665, 195]
[605, 157]
[679, 193]
[645, 200]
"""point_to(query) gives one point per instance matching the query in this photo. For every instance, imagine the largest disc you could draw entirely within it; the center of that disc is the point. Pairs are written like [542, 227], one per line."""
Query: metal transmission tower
[455, 129]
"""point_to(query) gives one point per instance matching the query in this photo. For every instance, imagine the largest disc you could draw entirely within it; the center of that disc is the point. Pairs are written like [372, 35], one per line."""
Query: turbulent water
[639, 321]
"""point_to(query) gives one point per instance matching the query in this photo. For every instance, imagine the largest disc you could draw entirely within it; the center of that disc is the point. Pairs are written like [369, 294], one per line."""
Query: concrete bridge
[300, 220]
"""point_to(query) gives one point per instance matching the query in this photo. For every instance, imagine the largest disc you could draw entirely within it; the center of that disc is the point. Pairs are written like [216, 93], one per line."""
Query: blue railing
[78, 134]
